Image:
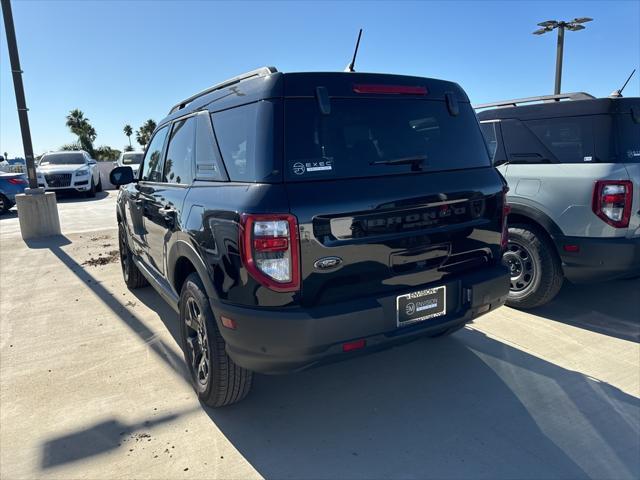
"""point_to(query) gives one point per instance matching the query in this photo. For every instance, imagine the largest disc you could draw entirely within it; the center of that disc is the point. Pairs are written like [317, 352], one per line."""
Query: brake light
[390, 89]
[17, 181]
[269, 250]
[612, 201]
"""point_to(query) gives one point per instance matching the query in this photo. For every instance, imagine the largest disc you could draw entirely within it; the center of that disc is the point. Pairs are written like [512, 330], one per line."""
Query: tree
[128, 148]
[71, 146]
[80, 126]
[105, 153]
[143, 134]
[128, 131]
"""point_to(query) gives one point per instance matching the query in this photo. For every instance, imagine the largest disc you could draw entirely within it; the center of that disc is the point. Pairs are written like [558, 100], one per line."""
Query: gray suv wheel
[536, 273]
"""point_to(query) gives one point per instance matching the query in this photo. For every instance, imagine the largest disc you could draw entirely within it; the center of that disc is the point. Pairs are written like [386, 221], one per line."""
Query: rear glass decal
[300, 168]
[633, 153]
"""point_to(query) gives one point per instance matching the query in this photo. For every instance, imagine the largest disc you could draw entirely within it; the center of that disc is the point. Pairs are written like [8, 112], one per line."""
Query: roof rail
[259, 72]
[542, 98]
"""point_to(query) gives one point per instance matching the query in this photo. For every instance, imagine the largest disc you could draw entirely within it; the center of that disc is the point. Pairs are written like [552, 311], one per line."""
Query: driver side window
[152, 163]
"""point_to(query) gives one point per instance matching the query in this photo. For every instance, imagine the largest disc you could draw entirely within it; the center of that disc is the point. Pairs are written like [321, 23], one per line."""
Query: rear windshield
[368, 137]
[63, 159]
[132, 158]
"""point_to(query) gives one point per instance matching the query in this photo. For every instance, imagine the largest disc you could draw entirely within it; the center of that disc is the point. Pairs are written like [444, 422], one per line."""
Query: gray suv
[572, 163]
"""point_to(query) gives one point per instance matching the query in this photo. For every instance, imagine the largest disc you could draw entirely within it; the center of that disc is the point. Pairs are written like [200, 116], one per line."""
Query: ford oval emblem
[327, 263]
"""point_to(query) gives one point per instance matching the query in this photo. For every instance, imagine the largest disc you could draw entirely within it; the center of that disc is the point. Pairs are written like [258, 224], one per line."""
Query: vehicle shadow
[10, 214]
[467, 406]
[458, 407]
[611, 308]
[76, 197]
[152, 300]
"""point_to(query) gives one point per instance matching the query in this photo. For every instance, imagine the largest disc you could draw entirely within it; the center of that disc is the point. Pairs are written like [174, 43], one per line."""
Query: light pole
[37, 210]
[550, 25]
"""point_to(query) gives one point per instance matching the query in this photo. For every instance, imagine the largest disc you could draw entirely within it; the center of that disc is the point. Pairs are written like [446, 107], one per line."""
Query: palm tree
[128, 131]
[143, 134]
[80, 126]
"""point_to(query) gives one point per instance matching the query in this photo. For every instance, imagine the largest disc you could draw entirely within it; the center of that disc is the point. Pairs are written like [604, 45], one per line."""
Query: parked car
[10, 185]
[296, 219]
[132, 159]
[69, 171]
[12, 165]
[572, 162]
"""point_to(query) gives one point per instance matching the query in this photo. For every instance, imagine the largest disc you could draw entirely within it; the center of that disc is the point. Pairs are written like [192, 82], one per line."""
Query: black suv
[295, 219]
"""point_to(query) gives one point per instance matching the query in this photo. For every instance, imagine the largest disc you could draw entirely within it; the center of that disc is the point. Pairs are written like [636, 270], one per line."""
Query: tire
[132, 275]
[92, 192]
[99, 187]
[217, 380]
[536, 272]
[5, 204]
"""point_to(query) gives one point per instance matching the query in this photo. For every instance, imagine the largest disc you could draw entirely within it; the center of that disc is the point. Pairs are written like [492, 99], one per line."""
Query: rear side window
[178, 166]
[208, 161]
[629, 138]
[569, 139]
[152, 168]
[364, 137]
[489, 132]
[247, 139]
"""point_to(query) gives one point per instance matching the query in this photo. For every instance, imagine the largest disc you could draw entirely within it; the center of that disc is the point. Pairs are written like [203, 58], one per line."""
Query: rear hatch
[391, 183]
[627, 123]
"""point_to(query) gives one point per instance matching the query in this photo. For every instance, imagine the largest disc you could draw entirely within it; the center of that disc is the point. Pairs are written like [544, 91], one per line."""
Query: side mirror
[121, 176]
[92, 161]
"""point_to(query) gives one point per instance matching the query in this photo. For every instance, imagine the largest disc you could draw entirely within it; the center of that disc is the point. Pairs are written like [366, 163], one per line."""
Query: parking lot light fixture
[550, 25]
[37, 210]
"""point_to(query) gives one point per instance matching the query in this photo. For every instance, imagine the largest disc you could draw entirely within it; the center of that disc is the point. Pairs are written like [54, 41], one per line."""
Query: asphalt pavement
[93, 385]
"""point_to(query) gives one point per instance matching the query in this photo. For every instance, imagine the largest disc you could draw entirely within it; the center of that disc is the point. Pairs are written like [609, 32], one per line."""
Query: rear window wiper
[416, 162]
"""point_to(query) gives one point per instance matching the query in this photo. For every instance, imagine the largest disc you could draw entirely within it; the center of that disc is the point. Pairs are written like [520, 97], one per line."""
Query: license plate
[420, 306]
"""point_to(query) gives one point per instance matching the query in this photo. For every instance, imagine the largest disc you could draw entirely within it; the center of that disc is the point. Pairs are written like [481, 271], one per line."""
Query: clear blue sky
[124, 62]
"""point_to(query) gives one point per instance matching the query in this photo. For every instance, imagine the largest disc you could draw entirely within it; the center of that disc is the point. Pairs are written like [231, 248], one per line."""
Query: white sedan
[69, 171]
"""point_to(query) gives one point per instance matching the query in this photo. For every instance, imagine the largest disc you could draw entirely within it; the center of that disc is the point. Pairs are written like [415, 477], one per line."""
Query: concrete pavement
[93, 385]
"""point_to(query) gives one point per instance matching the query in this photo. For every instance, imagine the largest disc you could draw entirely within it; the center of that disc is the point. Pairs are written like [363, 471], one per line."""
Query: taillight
[17, 181]
[269, 250]
[612, 201]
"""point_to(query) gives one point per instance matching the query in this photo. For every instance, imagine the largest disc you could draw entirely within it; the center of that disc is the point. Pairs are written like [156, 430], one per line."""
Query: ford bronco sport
[301, 218]
[572, 162]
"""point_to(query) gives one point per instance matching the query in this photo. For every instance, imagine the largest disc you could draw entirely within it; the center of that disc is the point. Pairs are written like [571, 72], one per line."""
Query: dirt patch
[109, 257]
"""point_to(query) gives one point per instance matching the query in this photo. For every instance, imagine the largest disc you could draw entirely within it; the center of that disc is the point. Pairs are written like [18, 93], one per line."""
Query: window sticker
[633, 153]
[300, 168]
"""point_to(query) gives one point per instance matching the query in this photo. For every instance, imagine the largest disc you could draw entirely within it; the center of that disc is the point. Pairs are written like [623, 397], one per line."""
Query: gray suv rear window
[359, 135]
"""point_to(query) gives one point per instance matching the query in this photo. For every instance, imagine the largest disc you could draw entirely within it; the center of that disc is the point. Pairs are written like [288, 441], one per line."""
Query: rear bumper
[287, 340]
[599, 259]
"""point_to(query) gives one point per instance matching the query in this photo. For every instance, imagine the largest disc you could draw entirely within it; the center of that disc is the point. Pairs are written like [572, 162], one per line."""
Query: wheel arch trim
[180, 249]
[537, 216]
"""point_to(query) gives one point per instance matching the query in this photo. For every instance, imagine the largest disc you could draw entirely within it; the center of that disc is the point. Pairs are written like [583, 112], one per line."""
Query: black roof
[566, 108]
[269, 83]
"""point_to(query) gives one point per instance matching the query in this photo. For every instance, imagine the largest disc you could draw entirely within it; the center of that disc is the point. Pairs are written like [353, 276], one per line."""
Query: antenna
[350, 67]
[618, 93]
